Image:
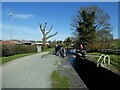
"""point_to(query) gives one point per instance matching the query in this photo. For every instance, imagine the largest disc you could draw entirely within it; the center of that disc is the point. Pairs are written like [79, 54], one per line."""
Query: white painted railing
[107, 56]
[104, 60]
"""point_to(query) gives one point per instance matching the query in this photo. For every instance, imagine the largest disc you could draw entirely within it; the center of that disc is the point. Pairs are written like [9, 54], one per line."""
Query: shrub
[8, 50]
[110, 51]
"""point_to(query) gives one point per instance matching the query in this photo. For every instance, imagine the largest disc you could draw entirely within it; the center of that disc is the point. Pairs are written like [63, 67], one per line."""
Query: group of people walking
[60, 50]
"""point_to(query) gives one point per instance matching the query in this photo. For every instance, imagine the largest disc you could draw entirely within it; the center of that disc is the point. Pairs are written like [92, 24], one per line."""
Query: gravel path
[29, 72]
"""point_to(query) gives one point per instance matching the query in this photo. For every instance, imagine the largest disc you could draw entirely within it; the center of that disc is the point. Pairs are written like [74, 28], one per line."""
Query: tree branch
[44, 27]
[51, 35]
[43, 32]
[49, 30]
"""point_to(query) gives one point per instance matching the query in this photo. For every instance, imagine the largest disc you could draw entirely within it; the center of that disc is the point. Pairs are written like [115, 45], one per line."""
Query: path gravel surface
[29, 72]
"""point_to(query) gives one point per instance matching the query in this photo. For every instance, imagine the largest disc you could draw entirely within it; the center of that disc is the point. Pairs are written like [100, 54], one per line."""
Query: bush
[110, 51]
[8, 50]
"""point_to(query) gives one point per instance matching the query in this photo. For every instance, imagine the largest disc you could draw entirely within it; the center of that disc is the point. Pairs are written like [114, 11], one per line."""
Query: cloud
[23, 16]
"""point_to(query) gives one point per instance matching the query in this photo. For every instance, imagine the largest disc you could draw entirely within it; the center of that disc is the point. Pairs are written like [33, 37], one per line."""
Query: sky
[27, 16]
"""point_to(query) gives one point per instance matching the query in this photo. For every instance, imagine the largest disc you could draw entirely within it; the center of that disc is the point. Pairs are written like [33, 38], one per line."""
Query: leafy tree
[45, 37]
[104, 39]
[89, 21]
[54, 41]
[59, 41]
[68, 41]
[101, 18]
[86, 28]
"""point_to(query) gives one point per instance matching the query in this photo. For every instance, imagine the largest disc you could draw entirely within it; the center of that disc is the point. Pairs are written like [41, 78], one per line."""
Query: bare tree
[45, 34]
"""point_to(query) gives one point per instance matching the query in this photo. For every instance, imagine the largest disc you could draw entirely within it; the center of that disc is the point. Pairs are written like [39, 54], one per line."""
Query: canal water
[71, 57]
[95, 78]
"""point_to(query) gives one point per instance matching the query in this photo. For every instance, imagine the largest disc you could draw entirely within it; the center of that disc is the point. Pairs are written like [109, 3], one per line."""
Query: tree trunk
[45, 37]
[44, 43]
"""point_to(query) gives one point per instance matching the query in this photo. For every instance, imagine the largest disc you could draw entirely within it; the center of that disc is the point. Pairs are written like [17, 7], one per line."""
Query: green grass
[0, 61]
[49, 49]
[9, 58]
[115, 62]
[59, 81]
[95, 53]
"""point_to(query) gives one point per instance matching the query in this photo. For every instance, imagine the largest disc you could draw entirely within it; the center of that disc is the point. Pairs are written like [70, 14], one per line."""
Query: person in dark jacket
[57, 49]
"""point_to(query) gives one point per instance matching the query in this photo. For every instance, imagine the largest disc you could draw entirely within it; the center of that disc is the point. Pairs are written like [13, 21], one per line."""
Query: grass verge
[48, 49]
[95, 53]
[51, 50]
[59, 81]
[9, 58]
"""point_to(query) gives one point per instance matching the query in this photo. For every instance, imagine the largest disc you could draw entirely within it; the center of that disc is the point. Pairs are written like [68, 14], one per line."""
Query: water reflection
[71, 56]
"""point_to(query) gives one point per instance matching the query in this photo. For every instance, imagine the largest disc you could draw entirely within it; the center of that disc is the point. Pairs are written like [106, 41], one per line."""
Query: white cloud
[23, 16]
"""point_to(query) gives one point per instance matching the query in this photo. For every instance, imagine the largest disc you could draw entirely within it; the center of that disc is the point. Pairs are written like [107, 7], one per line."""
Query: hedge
[8, 50]
[110, 51]
[0, 50]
